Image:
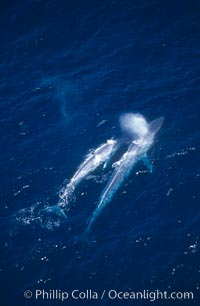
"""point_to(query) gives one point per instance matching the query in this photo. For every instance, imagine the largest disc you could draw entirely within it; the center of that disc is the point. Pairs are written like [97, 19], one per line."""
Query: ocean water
[68, 70]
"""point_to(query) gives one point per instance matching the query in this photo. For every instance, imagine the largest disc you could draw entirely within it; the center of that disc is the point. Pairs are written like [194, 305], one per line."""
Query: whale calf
[97, 157]
[143, 136]
[94, 159]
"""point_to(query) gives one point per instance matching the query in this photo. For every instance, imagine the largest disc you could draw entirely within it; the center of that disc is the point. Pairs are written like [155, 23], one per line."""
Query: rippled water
[68, 70]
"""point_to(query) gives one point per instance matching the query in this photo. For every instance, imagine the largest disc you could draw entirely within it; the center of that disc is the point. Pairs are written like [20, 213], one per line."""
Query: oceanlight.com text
[112, 294]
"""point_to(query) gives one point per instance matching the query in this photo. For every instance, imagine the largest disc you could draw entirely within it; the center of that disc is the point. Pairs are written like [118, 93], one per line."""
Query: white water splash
[134, 125]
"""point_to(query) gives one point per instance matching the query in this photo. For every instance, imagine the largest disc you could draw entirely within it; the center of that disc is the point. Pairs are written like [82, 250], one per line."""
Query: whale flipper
[147, 163]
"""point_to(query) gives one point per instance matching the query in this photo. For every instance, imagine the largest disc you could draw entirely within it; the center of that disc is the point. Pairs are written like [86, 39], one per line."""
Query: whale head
[155, 125]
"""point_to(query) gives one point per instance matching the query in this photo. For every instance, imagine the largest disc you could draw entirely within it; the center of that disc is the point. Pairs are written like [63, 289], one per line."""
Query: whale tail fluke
[86, 232]
[91, 220]
[88, 228]
[56, 210]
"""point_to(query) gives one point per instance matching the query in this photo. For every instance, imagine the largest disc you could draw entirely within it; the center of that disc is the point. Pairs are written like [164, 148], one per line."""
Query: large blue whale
[141, 136]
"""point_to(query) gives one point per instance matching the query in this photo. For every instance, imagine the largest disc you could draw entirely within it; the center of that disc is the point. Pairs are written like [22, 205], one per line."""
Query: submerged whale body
[139, 135]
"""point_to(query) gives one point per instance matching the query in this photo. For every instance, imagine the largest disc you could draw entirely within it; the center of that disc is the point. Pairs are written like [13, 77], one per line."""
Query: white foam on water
[134, 124]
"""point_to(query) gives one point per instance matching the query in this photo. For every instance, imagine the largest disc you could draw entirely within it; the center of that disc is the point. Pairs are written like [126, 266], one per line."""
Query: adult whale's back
[121, 171]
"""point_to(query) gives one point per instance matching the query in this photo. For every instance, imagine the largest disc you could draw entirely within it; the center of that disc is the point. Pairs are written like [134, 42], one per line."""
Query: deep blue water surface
[68, 69]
